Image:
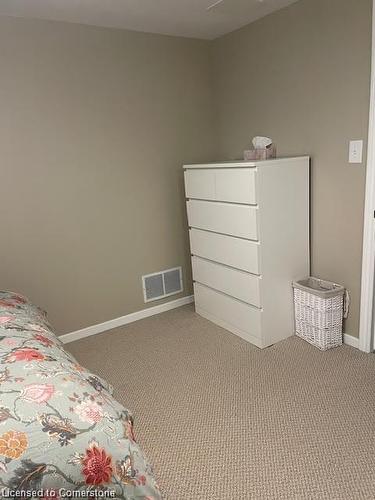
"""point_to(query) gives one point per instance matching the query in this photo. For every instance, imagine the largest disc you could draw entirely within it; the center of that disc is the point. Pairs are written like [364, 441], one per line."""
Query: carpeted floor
[222, 420]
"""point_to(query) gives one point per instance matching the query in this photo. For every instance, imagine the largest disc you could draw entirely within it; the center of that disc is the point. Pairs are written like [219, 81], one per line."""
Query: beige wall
[301, 76]
[95, 124]
[94, 127]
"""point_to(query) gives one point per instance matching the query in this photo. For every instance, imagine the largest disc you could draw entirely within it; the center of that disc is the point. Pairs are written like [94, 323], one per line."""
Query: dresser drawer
[238, 284]
[226, 218]
[235, 252]
[230, 313]
[222, 184]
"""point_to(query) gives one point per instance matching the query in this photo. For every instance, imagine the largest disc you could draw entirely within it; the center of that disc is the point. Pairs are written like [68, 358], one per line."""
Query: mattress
[62, 434]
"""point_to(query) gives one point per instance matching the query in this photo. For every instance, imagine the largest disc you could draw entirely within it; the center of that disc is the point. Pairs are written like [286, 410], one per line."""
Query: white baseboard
[124, 320]
[352, 341]
[145, 313]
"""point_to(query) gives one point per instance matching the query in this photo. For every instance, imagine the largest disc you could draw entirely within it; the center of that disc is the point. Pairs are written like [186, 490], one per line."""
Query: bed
[62, 434]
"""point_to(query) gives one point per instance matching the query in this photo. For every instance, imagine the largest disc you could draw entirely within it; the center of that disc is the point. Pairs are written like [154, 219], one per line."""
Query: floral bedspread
[62, 435]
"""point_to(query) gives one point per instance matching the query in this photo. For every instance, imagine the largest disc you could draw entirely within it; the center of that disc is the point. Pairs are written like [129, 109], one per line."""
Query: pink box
[260, 154]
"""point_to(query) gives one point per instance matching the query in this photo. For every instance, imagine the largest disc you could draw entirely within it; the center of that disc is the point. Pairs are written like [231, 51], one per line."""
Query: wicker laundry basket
[319, 311]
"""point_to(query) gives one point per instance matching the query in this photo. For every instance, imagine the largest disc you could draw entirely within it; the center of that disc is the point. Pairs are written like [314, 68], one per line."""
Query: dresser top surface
[246, 164]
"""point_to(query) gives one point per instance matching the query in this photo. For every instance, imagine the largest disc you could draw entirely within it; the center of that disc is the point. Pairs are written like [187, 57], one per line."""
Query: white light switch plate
[355, 151]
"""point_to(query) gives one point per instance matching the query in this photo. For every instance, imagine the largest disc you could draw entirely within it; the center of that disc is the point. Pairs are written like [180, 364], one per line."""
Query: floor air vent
[162, 284]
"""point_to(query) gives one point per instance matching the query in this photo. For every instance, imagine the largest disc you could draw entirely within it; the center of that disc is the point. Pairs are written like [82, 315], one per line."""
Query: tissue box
[260, 154]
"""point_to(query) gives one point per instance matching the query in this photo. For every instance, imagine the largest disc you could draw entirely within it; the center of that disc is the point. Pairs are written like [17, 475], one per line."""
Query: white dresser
[249, 239]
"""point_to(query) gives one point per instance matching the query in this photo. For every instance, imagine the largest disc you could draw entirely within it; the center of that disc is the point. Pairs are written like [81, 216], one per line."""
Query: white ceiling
[189, 18]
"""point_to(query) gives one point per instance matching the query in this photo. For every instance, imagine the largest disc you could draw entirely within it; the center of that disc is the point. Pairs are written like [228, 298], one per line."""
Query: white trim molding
[146, 313]
[368, 261]
[125, 320]
[352, 341]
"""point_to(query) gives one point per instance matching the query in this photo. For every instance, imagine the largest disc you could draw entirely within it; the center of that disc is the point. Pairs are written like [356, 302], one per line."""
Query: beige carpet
[221, 420]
